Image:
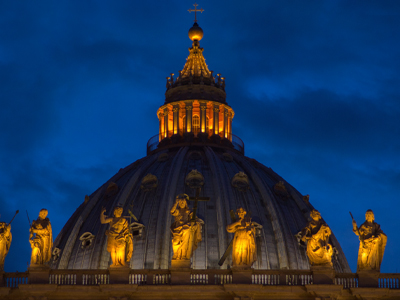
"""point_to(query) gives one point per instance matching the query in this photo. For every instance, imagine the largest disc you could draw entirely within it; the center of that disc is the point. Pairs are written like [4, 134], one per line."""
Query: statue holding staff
[186, 232]
[316, 234]
[120, 239]
[41, 239]
[244, 252]
[372, 243]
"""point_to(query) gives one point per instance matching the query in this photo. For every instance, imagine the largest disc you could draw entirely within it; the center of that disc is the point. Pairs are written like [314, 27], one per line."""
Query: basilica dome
[194, 151]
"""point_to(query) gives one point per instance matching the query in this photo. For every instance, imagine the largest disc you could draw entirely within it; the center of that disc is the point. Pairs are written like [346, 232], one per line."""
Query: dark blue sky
[315, 86]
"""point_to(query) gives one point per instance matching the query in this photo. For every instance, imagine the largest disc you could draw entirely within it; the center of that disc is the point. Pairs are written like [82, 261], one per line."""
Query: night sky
[315, 86]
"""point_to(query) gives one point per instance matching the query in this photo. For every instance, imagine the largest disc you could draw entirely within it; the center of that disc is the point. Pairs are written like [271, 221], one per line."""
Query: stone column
[166, 112]
[176, 118]
[216, 119]
[160, 129]
[203, 117]
[189, 111]
[226, 131]
[230, 117]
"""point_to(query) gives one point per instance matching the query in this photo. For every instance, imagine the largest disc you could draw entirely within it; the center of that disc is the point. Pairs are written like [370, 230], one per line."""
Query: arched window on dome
[196, 124]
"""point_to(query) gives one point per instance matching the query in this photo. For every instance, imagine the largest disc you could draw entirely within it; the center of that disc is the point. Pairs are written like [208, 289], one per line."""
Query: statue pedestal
[368, 278]
[180, 271]
[181, 264]
[324, 274]
[242, 275]
[38, 274]
[119, 275]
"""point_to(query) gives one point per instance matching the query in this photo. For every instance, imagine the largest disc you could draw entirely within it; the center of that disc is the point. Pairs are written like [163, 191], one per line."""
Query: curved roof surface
[272, 202]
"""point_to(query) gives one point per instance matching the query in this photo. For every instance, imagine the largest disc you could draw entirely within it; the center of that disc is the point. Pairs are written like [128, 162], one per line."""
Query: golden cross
[195, 11]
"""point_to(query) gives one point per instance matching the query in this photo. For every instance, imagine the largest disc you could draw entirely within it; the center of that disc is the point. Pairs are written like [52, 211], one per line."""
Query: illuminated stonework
[41, 239]
[5, 242]
[372, 244]
[195, 101]
[120, 240]
[317, 234]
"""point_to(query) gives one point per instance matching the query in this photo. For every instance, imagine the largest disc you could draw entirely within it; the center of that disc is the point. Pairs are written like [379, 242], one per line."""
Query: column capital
[189, 107]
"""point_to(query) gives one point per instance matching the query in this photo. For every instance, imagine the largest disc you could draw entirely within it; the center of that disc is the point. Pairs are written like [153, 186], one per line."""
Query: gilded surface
[120, 240]
[186, 233]
[372, 243]
[5, 242]
[41, 239]
[244, 246]
[317, 234]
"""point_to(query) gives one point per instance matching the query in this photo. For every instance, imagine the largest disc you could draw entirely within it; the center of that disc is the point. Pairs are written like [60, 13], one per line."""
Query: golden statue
[120, 239]
[5, 242]
[372, 243]
[41, 239]
[186, 232]
[317, 234]
[244, 245]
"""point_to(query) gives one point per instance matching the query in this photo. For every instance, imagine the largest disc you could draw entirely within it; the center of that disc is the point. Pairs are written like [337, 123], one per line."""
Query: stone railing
[14, 279]
[282, 277]
[79, 277]
[192, 277]
[347, 280]
[389, 280]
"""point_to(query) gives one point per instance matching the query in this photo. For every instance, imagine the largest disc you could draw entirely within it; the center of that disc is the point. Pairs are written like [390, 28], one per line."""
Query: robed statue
[316, 234]
[41, 239]
[244, 251]
[5, 242]
[372, 243]
[186, 232]
[120, 239]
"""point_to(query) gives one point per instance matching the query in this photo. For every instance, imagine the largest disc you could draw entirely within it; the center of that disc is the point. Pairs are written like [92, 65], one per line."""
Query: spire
[195, 63]
[195, 80]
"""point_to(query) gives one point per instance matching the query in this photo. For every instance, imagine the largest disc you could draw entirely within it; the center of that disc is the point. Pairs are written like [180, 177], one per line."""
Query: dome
[195, 145]
[148, 188]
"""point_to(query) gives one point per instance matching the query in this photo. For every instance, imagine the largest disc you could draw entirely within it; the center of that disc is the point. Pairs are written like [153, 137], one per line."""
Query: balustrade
[197, 277]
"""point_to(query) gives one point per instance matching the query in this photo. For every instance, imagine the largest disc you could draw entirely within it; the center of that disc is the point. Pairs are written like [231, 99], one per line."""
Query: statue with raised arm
[186, 232]
[41, 239]
[5, 242]
[316, 234]
[372, 243]
[120, 239]
[244, 252]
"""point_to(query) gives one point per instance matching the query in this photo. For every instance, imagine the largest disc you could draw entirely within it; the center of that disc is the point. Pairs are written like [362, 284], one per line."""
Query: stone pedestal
[119, 275]
[323, 274]
[182, 264]
[242, 275]
[38, 274]
[2, 283]
[368, 278]
[180, 271]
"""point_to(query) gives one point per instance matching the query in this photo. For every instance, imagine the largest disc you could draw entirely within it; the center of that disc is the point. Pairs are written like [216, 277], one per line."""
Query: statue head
[241, 212]
[43, 213]
[182, 200]
[315, 215]
[369, 215]
[118, 211]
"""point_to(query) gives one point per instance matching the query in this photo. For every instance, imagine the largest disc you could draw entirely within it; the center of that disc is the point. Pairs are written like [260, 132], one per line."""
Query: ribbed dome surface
[280, 210]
